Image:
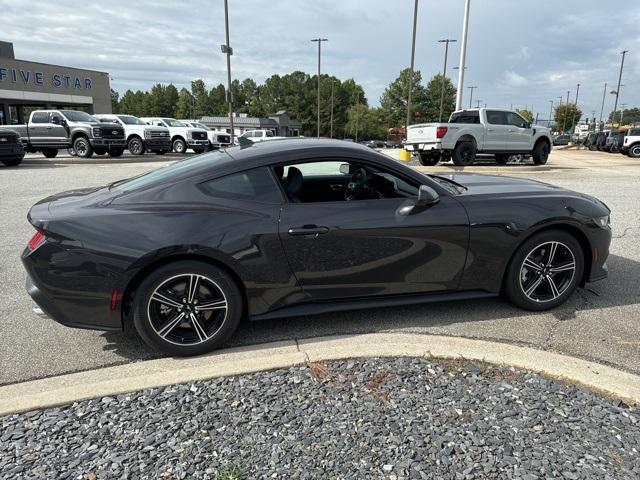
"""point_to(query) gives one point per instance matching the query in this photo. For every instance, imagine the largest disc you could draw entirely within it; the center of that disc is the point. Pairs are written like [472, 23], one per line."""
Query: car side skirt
[315, 308]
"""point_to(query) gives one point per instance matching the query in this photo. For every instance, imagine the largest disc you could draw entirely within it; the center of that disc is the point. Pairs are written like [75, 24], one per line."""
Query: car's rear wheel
[544, 271]
[428, 160]
[464, 154]
[502, 158]
[634, 151]
[187, 308]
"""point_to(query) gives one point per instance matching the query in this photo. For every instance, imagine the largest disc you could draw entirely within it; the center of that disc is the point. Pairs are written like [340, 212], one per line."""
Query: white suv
[140, 136]
[182, 135]
[217, 138]
[631, 144]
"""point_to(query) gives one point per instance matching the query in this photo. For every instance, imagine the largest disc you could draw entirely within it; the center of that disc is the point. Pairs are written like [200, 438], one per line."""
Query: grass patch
[232, 472]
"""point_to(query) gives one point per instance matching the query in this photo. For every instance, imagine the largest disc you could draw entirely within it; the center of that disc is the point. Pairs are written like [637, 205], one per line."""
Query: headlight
[189, 134]
[97, 132]
[603, 222]
[147, 134]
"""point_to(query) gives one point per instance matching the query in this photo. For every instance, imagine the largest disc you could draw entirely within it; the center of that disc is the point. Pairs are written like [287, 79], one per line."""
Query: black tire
[518, 278]
[179, 340]
[50, 152]
[135, 146]
[198, 151]
[82, 147]
[428, 160]
[540, 153]
[502, 158]
[12, 162]
[72, 152]
[179, 146]
[116, 152]
[99, 151]
[634, 151]
[464, 154]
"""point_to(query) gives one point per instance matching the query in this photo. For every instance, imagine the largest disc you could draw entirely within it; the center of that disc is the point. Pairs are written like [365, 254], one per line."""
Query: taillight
[36, 240]
[441, 132]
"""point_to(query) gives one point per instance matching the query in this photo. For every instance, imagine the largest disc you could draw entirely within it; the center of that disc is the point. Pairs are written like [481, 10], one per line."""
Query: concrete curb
[66, 389]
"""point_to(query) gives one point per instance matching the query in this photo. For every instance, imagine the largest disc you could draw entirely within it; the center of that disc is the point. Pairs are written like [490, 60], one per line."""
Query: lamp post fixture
[463, 54]
[228, 51]
[446, 42]
[319, 40]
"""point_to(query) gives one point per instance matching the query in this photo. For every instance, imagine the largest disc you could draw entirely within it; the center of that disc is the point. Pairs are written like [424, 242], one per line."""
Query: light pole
[331, 121]
[446, 42]
[413, 54]
[463, 54]
[615, 107]
[229, 51]
[319, 40]
[478, 106]
[550, 112]
[604, 93]
[622, 105]
[471, 96]
[573, 120]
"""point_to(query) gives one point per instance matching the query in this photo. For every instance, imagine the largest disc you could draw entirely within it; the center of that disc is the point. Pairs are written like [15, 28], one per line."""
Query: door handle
[511, 130]
[489, 129]
[336, 186]
[308, 230]
[49, 128]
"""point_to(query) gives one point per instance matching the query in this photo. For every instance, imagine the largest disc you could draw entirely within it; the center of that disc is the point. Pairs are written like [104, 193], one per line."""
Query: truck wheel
[72, 152]
[502, 158]
[12, 162]
[82, 147]
[179, 146]
[135, 146]
[428, 160]
[464, 154]
[50, 152]
[540, 153]
[116, 152]
[634, 151]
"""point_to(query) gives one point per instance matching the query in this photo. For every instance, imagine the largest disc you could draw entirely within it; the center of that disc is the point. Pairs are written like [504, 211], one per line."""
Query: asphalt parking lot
[601, 322]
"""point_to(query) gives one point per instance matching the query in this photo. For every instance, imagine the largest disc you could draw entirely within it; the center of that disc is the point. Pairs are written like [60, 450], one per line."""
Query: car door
[56, 132]
[497, 131]
[520, 133]
[364, 248]
[38, 132]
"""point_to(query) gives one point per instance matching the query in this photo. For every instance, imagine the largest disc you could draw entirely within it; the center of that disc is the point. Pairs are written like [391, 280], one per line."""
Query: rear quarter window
[256, 185]
[465, 117]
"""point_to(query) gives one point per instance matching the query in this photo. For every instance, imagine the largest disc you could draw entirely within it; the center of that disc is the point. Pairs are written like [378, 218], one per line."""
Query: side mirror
[427, 196]
[345, 168]
[55, 120]
[63, 122]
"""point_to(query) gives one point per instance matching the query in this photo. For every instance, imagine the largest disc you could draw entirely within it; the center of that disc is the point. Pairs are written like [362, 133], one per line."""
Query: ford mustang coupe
[296, 227]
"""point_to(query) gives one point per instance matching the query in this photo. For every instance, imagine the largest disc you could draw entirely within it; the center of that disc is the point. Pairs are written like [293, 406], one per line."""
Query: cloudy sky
[523, 53]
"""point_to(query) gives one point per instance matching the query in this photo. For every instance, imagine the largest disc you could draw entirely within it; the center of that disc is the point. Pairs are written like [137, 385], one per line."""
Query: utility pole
[446, 42]
[478, 106]
[600, 125]
[550, 112]
[319, 40]
[331, 121]
[229, 51]
[413, 54]
[622, 105]
[573, 120]
[471, 96]
[615, 107]
[463, 54]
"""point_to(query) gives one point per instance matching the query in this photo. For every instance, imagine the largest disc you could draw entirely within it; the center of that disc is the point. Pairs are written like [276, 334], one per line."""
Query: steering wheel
[356, 184]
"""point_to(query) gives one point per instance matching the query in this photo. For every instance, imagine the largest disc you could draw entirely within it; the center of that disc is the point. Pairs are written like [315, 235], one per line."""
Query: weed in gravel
[232, 472]
[318, 371]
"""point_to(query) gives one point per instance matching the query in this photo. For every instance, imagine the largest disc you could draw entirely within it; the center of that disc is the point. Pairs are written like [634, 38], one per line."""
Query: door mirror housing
[427, 196]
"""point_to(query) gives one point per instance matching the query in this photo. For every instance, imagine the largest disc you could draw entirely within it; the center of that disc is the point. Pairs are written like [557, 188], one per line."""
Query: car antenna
[244, 142]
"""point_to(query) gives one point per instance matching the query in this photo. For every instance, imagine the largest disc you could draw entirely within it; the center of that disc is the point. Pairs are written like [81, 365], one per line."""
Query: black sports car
[295, 227]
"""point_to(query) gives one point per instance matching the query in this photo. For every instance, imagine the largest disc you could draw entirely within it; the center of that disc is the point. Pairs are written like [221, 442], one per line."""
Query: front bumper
[198, 143]
[157, 144]
[108, 142]
[12, 150]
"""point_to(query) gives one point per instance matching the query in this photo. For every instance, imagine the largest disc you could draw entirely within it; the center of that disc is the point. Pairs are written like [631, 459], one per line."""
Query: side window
[515, 120]
[255, 185]
[40, 117]
[56, 118]
[465, 117]
[495, 117]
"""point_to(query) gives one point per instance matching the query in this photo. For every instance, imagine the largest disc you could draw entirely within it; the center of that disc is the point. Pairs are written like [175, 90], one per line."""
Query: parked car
[373, 143]
[51, 130]
[601, 139]
[484, 130]
[563, 139]
[259, 135]
[617, 142]
[182, 135]
[631, 144]
[392, 144]
[591, 140]
[140, 136]
[280, 229]
[11, 149]
[217, 139]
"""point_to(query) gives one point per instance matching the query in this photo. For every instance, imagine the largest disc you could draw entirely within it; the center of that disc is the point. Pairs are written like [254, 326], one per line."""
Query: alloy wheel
[187, 309]
[547, 271]
[81, 148]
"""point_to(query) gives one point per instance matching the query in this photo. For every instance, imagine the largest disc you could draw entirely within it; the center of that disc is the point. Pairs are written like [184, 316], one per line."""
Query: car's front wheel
[136, 146]
[541, 153]
[179, 146]
[82, 147]
[187, 308]
[544, 271]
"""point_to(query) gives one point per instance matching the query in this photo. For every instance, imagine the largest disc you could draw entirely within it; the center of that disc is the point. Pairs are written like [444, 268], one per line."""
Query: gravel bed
[392, 418]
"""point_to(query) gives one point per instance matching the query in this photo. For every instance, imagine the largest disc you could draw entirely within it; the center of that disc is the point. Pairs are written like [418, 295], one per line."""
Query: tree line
[296, 92]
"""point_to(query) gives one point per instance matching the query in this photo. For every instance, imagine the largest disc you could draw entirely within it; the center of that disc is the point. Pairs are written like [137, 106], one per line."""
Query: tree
[526, 114]
[184, 104]
[567, 116]
[365, 123]
[202, 105]
[629, 116]
[218, 100]
[431, 108]
[114, 101]
[394, 98]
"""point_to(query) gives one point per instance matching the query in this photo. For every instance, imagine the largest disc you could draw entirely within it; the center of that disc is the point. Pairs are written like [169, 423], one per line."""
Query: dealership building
[280, 123]
[26, 86]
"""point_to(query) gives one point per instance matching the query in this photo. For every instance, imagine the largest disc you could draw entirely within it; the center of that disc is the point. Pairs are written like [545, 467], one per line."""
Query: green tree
[431, 108]
[365, 123]
[202, 104]
[114, 101]
[134, 103]
[526, 114]
[567, 116]
[629, 116]
[218, 100]
[184, 104]
[394, 99]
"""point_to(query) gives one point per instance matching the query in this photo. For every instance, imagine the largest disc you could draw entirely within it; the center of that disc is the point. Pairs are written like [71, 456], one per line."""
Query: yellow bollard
[405, 155]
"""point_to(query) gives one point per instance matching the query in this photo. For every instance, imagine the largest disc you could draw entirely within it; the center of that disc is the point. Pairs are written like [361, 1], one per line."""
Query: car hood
[477, 184]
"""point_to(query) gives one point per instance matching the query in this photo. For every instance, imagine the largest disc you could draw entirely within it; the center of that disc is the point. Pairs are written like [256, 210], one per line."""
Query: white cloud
[522, 54]
[512, 79]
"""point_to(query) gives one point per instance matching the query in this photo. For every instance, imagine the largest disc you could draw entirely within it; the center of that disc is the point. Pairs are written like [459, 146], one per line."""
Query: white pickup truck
[140, 136]
[217, 139]
[259, 135]
[483, 130]
[182, 135]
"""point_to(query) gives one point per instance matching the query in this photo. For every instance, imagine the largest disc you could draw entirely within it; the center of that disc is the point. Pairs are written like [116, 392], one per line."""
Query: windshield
[167, 172]
[130, 120]
[200, 125]
[78, 116]
[173, 123]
